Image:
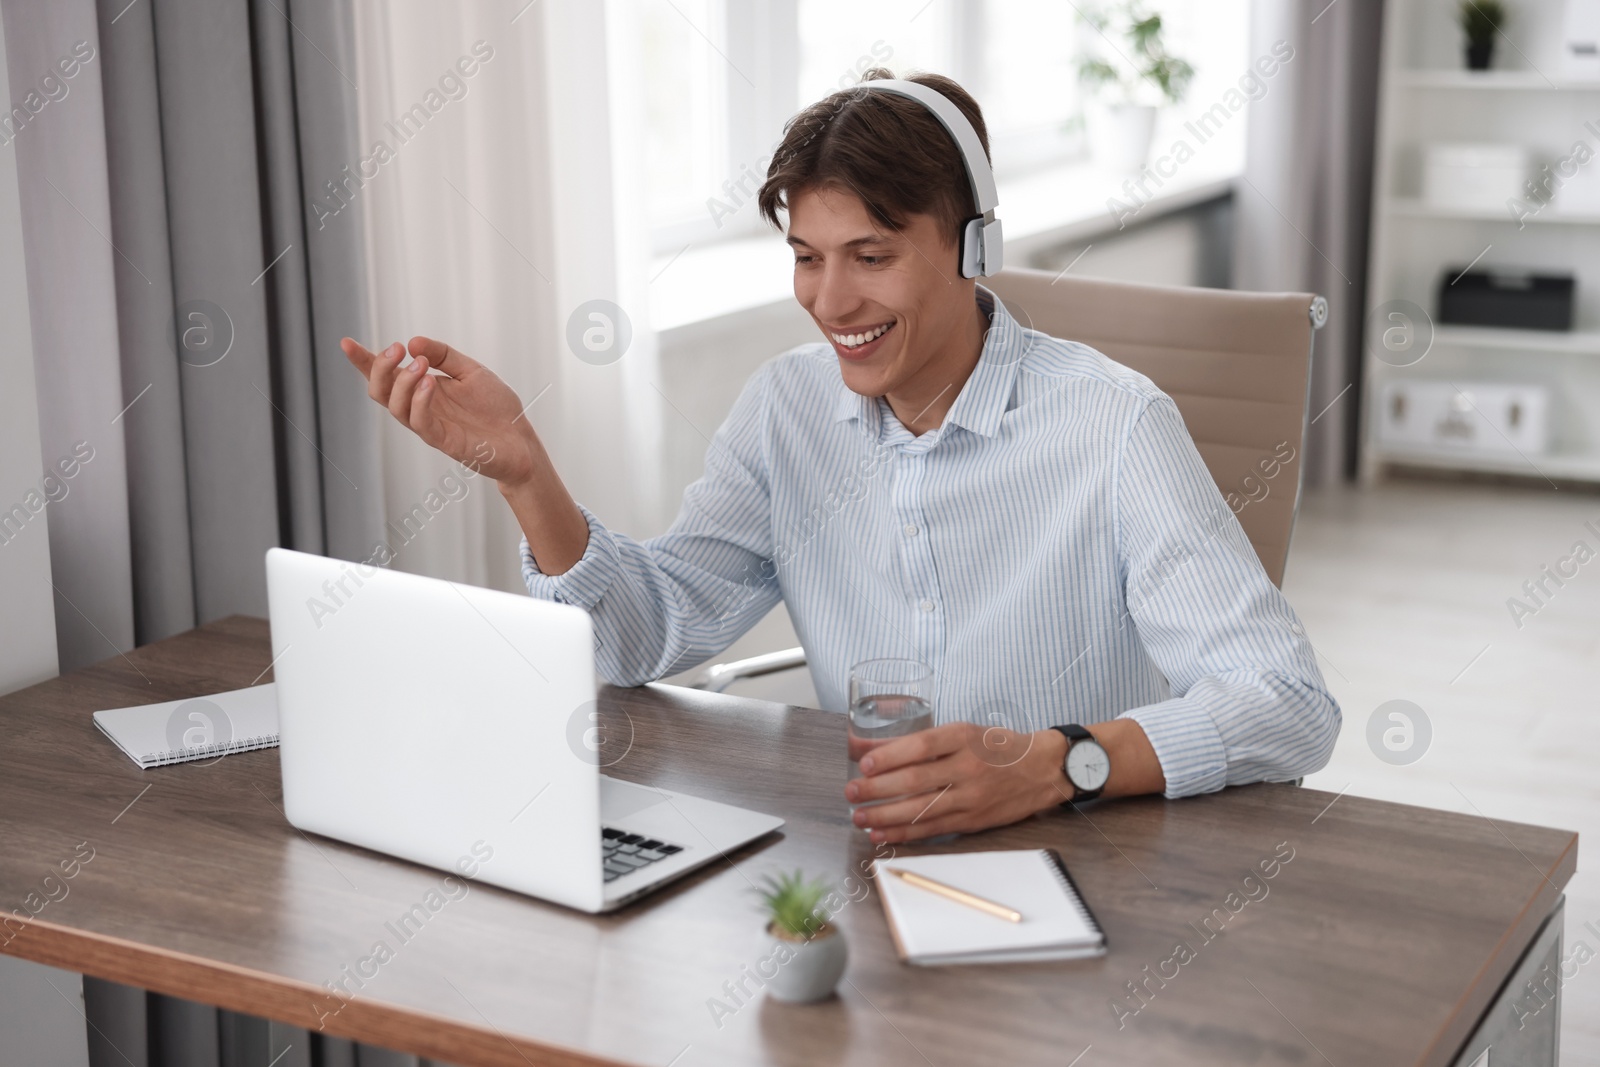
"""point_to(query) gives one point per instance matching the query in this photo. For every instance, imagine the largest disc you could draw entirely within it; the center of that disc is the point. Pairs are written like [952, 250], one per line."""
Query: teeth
[855, 340]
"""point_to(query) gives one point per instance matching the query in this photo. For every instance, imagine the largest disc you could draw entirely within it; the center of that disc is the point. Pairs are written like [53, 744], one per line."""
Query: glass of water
[889, 698]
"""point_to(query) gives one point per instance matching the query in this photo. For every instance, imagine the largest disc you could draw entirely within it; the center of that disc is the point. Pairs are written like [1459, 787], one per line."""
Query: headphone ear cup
[972, 248]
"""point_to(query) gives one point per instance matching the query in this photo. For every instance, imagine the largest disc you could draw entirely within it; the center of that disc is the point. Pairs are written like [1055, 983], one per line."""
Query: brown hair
[886, 149]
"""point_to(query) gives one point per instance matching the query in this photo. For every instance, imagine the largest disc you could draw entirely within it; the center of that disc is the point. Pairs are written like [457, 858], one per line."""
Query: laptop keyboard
[623, 853]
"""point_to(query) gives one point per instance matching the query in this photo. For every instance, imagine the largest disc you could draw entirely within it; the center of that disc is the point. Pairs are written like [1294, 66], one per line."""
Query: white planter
[1120, 135]
[810, 970]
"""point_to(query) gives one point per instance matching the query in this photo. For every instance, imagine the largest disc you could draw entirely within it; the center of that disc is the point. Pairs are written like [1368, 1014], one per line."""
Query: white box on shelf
[1472, 175]
[1580, 42]
[1580, 194]
[1466, 416]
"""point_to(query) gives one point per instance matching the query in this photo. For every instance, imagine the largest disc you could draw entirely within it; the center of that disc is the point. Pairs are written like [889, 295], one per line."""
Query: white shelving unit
[1426, 95]
[1414, 208]
[1489, 79]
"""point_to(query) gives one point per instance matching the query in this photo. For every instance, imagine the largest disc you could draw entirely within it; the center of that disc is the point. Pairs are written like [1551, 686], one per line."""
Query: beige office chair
[1237, 364]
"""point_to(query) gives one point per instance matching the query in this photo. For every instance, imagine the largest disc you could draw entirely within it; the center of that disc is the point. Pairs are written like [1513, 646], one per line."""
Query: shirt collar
[984, 398]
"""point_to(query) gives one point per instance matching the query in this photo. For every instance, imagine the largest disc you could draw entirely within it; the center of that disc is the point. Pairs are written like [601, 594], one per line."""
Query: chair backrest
[1237, 364]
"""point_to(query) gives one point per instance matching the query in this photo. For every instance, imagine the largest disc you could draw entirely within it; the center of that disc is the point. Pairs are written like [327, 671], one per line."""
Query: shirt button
[911, 531]
[926, 605]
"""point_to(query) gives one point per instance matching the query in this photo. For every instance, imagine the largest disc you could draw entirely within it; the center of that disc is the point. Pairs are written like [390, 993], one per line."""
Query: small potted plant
[809, 950]
[1127, 75]
[1480, 20]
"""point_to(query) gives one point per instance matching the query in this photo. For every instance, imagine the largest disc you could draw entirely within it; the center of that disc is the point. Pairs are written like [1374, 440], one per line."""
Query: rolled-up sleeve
[587, 580]
[666, 604]
[1248, 700]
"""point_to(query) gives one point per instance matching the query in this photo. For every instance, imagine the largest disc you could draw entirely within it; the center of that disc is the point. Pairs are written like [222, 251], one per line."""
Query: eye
[873, 261]
[802, 260]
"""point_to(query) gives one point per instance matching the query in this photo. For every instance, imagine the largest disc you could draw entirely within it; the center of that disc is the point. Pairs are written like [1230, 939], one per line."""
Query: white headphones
[982, 244]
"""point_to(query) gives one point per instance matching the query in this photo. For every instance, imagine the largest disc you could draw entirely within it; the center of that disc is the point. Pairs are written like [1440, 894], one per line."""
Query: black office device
[1515, 299]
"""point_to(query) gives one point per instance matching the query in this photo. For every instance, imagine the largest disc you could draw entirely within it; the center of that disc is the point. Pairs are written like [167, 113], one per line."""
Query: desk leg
[1522, 1027]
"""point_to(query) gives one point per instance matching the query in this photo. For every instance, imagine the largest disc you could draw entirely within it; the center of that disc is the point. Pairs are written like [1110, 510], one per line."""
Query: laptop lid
[438, 722]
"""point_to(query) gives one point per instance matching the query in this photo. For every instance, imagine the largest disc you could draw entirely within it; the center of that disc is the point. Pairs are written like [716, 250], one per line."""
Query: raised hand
[469, 414]
[466, 411]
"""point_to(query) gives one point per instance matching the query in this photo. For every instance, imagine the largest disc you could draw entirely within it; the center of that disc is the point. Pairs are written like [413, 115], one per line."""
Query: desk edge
[285, 1000]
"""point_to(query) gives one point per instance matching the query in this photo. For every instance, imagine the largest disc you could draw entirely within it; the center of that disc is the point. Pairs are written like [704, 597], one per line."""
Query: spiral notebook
[194, 728]
[930, 930]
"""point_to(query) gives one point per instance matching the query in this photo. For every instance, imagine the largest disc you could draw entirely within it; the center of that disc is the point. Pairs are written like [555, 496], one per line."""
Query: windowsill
[1041, 210]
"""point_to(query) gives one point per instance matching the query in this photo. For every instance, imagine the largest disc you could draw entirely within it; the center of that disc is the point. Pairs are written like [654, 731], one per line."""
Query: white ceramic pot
[1120, 135]
[809, 970]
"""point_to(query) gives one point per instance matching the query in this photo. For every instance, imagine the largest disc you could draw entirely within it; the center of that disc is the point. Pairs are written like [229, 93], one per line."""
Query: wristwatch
[1087, 766]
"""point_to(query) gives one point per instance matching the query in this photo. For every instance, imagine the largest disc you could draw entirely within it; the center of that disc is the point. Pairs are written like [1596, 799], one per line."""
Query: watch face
[1088, 766]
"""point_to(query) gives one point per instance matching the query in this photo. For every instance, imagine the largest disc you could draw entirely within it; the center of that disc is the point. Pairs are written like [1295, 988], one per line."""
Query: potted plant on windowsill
[810, 952]
[1480, 20]
[1127, 76]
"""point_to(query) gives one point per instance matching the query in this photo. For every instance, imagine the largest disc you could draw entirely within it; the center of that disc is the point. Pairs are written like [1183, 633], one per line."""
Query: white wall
[27, 627]
[41, 1016]
[41, 1021]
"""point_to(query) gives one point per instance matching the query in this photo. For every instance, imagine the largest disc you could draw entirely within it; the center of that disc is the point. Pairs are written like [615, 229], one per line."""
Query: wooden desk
[1380, 942]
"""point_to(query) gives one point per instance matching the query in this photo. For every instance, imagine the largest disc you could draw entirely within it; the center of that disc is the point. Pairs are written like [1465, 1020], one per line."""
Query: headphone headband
[981, 237]
[961, 131]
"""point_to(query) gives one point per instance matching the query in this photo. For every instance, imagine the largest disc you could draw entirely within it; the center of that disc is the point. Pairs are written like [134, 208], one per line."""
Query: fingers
[937, 803]
[914, 748]
[443, 357]
[421, 418]
[405, 385]
[358, 355]
[926, 827]
[917, 778]
[384, 366]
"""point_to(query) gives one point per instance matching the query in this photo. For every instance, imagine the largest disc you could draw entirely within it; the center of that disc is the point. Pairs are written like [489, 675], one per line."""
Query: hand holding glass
[889, 698]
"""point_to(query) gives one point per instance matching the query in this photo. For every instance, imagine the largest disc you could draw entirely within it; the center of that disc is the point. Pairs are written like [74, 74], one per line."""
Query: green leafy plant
[794, 904]
[1480, 20]
[1132, 54]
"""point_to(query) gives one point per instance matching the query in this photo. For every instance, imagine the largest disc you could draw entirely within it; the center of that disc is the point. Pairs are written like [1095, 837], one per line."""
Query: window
[1015, 56]
[839, 39]
[685, 108]
[720, 77]
[1027, 82]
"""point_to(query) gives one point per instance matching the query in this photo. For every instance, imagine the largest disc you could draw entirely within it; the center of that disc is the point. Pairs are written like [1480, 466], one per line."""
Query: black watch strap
[1075, 733]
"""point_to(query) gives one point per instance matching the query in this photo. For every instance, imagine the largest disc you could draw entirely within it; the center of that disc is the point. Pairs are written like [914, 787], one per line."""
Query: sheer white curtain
[515, 202]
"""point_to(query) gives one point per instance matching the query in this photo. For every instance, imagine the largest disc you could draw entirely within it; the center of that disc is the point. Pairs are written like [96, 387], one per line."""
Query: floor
[1404, 589]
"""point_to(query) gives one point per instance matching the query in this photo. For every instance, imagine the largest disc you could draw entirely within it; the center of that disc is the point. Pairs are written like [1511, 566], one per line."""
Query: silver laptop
[456, 727]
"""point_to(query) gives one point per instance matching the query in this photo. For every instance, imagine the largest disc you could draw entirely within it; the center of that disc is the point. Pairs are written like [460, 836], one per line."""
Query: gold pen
[960, 896]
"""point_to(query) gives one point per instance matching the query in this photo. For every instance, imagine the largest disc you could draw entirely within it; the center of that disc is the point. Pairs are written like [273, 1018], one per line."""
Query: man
[935, 482]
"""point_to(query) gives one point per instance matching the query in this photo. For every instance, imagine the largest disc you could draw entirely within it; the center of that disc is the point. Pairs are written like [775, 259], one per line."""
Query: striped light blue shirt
[1057, 551]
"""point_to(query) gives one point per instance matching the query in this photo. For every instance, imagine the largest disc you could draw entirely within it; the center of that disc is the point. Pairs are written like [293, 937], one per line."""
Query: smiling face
[893, 304]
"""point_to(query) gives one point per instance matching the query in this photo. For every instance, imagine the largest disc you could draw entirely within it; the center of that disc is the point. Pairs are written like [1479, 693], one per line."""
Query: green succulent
[1480, 20]
[795, 904]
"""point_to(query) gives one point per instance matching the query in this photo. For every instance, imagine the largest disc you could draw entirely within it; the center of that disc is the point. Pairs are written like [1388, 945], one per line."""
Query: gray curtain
[187, 306]
[1303, 208]
[136, 1029]
[132, 1028]
[218, 116]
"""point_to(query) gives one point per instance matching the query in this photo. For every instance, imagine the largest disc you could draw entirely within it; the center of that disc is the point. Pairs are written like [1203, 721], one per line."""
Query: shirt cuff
[587, 580]
[1187, 743]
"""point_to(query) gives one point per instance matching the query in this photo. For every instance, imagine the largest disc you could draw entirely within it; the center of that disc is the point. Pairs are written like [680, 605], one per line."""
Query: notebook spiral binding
[1057, 864]
[217, 748]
